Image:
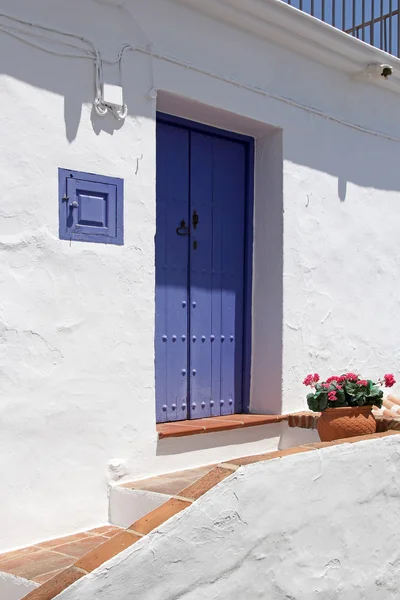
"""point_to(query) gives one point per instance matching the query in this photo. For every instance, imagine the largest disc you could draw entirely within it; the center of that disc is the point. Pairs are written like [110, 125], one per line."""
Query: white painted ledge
[287, 26]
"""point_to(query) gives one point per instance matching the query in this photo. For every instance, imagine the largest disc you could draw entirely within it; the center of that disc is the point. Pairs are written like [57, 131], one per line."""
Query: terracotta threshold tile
[159, 515]
[177, 430]
[253, 420]
[219, 424]
[104, 552]
[208, 425]
[56, 585]
[203, 485]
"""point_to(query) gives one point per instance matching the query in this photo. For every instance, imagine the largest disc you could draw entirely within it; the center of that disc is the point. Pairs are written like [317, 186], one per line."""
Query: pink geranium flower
[351, 377]
[389, 380]
[311, 379]
[332, 396]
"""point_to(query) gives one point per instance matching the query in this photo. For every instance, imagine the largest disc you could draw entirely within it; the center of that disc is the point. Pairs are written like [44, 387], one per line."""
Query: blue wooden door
[200, 272]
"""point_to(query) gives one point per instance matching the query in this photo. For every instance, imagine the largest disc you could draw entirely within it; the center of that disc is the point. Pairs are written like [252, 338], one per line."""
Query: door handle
[195, 219]
[182, 229]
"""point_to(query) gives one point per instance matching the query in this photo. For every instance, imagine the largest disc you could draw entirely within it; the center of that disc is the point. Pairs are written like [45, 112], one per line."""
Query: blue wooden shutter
[91, 207]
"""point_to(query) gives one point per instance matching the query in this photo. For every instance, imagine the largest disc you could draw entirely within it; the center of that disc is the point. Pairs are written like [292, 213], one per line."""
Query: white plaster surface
[127, 506]
[295, 436]
[77, 320]
[15, 588]
[313, 525]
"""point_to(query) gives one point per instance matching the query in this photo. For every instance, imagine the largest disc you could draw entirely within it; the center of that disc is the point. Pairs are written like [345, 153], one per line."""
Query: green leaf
[313, 403]
[374, 392]
[341, 398]
[323, 402]
[351, 388]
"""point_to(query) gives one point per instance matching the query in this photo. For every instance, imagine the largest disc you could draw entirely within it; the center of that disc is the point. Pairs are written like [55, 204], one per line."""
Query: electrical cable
[101, 109]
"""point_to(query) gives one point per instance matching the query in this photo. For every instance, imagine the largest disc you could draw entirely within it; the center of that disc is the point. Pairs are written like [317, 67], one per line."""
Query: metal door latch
[182, 229]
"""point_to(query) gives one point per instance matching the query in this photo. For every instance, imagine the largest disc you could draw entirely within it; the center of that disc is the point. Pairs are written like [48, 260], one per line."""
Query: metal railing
[376, 22]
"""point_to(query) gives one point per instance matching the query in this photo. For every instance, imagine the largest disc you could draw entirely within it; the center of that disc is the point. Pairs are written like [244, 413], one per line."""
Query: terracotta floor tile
[170, 483]
[159, 515]
[64, 540]
[82, 546]
[105, 530]
[18, 553]
[104, 552]
[56, 585]
[203, 485]
[35, 564]
[47, 576]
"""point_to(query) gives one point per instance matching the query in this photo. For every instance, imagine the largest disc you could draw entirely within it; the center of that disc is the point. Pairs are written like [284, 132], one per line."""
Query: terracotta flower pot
[349, 421]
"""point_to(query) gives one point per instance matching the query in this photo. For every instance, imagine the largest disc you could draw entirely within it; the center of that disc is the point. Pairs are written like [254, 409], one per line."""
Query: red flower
[333, 378]
[351, 377]
[389, 380]
[325, 385]
[362, 382]
[332, 396]
[311, 379]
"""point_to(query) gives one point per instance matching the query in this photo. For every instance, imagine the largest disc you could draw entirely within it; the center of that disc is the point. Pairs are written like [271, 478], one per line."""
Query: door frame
[249, 143]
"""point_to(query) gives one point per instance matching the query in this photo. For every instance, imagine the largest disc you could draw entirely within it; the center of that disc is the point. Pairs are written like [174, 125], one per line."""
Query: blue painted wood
[171, 327]
[229, 196]
[201, 127]
[248, 284]
[219, 258]
[202, 362]
[90, 207]
[96, 206]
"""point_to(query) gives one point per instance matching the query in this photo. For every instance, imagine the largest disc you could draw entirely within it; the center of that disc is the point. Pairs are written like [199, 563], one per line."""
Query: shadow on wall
[73, 76]
[359, 158]
[183, 445]
[338, 152]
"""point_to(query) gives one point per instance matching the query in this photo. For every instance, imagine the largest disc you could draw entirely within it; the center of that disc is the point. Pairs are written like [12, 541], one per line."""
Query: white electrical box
[113, 95]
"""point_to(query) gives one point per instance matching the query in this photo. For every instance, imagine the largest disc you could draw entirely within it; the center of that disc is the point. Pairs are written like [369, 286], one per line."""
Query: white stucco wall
[314, 525]
[76, 353]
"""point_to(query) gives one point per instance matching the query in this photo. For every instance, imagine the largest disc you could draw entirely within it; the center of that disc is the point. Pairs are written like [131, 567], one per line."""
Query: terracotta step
[131, 501]
[43, 561]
